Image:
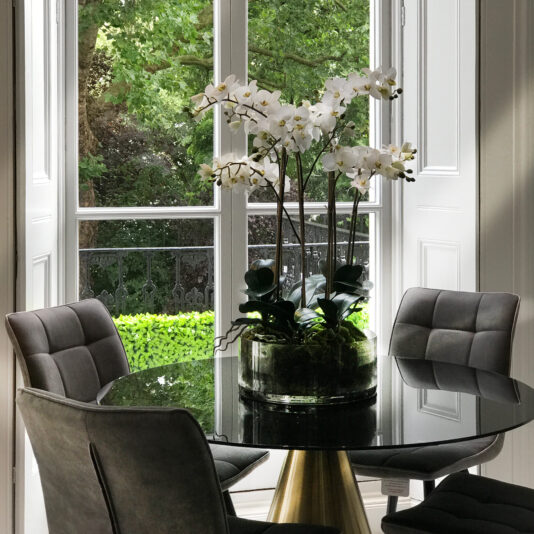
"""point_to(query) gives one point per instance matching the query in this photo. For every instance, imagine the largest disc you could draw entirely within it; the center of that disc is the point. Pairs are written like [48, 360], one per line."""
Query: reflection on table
[435, 402]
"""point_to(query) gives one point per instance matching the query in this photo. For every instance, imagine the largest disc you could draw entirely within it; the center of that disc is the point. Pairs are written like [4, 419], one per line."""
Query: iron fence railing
[180, 279]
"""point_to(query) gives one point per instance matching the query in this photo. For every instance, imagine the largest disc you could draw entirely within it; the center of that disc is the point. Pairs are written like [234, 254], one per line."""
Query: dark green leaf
[329, 309]
[348, 273]
[305, 315]
[261, 264]
[260, 282]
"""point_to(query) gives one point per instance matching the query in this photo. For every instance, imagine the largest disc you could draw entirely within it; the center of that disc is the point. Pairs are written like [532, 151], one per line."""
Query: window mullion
[238, 66]
[223, 223]
[186, 212]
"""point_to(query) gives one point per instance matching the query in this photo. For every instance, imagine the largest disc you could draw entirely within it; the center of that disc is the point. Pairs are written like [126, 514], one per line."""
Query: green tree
[140, 61]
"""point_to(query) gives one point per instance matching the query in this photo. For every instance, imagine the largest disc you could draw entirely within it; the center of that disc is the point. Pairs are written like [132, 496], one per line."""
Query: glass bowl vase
[308, 374]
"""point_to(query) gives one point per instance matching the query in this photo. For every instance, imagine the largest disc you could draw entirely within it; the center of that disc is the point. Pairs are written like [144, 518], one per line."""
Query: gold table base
[319, 488]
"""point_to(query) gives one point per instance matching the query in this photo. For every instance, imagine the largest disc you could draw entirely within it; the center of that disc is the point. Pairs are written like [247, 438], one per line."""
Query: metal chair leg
[428, 487]
[228, 504]
[392, 504]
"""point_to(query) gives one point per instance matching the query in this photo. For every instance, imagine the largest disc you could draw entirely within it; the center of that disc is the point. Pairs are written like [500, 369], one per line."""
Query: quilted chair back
[111, 470]
[72, 350]
[474, 329]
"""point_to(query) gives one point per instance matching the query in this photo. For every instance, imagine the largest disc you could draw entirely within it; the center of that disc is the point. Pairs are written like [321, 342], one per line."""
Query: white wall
[507, 193]
[7, 266]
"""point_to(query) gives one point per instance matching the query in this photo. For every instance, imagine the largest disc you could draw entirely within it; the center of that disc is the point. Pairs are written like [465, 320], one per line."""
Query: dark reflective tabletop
[418, 402]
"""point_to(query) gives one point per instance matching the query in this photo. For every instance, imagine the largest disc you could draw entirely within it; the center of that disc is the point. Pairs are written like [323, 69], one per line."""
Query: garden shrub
[153, 340]
[361, 319]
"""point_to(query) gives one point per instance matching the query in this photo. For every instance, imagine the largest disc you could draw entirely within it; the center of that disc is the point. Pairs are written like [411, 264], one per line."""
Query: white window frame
[229, 211]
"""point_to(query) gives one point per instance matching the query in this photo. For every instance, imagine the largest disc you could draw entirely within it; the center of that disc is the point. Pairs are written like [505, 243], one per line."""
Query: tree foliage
[140, 61]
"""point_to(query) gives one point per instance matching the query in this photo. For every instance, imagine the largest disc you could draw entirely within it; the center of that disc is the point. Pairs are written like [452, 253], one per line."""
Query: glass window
[156, 277]
[294, 47]
[152, 239]
[139, 63]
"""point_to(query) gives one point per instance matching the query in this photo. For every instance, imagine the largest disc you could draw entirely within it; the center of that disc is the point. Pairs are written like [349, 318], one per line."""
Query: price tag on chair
[396, 487]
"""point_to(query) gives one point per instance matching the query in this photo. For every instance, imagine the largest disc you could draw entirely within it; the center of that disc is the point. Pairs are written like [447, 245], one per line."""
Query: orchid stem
[329, 250]
[352, 232]
[279, 219]
[292, 224]
[300, 184]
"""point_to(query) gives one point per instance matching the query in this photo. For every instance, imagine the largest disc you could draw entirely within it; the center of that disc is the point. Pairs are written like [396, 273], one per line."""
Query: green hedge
[153, 340]
[361, 319]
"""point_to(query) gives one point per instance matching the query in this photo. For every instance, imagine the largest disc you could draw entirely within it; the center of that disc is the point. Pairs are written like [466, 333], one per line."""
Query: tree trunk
[88, 143]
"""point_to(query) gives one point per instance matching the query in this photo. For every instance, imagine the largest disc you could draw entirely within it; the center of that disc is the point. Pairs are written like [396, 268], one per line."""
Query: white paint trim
[69, 199]
[229, 211]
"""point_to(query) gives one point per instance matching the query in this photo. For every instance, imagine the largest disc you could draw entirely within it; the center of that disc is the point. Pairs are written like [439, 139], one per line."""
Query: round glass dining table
[418, 402]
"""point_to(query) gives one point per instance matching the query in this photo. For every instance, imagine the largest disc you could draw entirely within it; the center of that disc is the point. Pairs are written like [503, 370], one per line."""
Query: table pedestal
[318, 487]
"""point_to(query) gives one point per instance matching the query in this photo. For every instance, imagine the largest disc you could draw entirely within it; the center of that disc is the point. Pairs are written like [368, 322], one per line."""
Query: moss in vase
[318, 334]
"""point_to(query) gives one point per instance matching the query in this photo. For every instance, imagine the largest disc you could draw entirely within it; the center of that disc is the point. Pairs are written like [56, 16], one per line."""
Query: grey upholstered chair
[474, 329]
[468, 504]
[75, 349]
[110, 470]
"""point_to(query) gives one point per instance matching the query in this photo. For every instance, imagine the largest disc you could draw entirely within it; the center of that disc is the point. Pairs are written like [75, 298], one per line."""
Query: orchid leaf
[296, 290]
[261, 264]
[275, 309]
[346, 278]
[278, 316]
[246, 320]
[313, 302]
[329, 309]
[260, 283]
[344, 302]
[305, 315]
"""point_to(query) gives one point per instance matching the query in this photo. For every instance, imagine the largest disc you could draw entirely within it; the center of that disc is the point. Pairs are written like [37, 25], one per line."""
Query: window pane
[261, 244]
[156, 278]
[139, 62]
[294, 47]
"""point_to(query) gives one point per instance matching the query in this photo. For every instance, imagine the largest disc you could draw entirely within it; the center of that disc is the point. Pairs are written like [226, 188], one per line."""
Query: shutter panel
[439, 236]
[440, 117]
[38, 178]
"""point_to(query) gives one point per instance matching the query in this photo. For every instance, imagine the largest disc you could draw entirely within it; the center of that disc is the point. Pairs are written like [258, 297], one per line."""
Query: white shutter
[439, 236]
[38, 146]
[440, 117]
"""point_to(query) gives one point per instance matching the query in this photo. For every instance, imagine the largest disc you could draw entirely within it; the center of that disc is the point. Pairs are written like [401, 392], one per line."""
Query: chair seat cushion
[234, 463]
[468, 504]
[425, 463]
[245, 526]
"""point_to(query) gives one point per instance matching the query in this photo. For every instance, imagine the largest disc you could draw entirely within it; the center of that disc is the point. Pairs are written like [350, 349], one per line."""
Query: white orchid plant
[281, 131]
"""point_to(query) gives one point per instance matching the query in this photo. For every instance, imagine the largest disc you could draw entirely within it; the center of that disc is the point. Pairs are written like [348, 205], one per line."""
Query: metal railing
[180, 279]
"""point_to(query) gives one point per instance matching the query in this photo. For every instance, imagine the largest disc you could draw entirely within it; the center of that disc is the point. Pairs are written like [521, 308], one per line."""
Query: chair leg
[428, 486]
[228, 504]
[392, 504]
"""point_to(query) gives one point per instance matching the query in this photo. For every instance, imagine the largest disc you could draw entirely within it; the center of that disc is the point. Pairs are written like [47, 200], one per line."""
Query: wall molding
[425, 404]
[425, 165]
[429, 271]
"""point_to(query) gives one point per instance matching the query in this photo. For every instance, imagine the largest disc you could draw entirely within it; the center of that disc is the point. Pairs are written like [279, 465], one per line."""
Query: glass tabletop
[418, 402]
